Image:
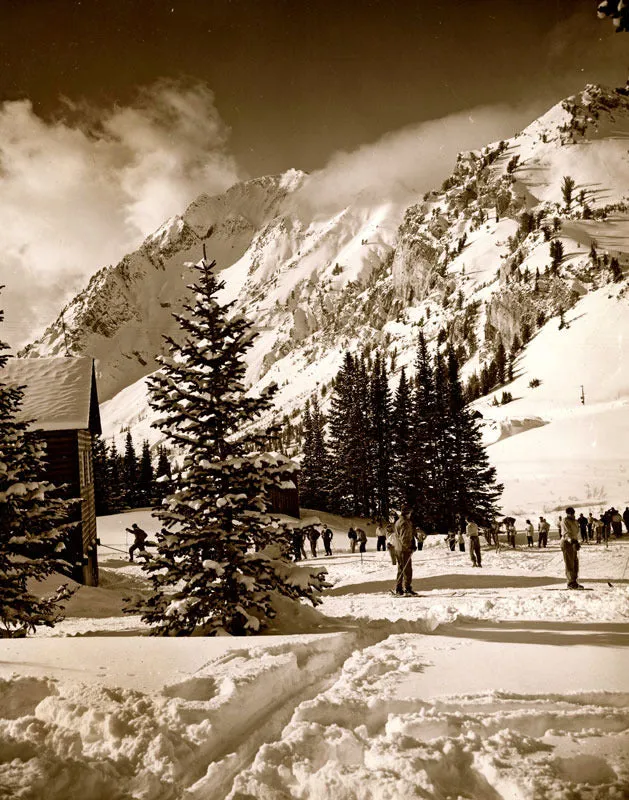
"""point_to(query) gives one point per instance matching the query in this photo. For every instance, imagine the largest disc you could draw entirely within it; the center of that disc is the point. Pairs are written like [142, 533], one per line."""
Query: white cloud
[79, 193]
[404, 164]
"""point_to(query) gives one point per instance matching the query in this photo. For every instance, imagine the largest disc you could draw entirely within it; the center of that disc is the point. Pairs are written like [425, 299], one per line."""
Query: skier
[404, 539]
[461, 541]
[510, 528]
[570, 548]
[473, 533]
[420, 538]
[313, 535]
[583, 526]
[542, 530]
[616, 521]
[139, 539]
[381, 534]
[362, 539]
[298, 544]
[450, 540]
[351, 535]
[560, 527]
[625, 516]
[591, 522]
[391, 539]
[327, 541]
[599, 527]
[530, 530]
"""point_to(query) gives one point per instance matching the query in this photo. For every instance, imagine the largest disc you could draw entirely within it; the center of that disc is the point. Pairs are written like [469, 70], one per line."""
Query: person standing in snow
[560, 527]
[616, 521]
[327, 541]
[420, 538]
[381, 536]
[570, 548]
[139, 539]
[625, 516]
[473, 532]
[599, 528]
[404, 540]
[583, 527]
[461, 541]
[298, 544]
[362, 540]
[591, 522]
[542, 530]
[313, 535]
[450, 540]
[530, 530]
[391, 538]
[351, 535]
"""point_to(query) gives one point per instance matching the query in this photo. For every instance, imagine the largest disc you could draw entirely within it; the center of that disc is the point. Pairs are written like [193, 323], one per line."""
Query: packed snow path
[492, 683]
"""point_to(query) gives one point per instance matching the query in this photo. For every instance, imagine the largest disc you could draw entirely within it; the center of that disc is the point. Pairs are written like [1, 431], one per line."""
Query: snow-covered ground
[491, 683]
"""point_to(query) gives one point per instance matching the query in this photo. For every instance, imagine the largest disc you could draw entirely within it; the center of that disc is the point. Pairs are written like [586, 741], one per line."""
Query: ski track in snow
[486, 685]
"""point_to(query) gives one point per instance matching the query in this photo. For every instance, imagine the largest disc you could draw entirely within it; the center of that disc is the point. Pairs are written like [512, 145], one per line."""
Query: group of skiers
[312, 533]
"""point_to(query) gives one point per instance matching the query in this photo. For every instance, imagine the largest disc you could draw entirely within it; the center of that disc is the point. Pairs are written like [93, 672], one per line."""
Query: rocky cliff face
[470, 263]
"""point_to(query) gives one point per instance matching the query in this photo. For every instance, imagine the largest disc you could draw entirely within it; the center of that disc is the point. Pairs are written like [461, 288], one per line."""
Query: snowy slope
[492, 683]
[372, 274]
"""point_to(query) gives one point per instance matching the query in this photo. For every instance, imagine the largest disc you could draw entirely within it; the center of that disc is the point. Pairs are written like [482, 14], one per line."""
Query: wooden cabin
[61, 400]
[284, 496]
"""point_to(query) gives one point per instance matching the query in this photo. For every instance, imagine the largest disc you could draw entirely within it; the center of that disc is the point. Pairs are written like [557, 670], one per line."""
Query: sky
[115, 115]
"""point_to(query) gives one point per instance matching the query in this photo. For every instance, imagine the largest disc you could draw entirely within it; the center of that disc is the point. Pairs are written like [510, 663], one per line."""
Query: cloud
[404, 164]
[79, 192]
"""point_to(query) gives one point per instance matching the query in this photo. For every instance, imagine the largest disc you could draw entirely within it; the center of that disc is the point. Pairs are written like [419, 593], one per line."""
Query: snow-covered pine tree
[380, 426]
[163, 474]
[33, 525]
[102, 492]
[401, 462]
[115, 474]
[221, 559]
[472, 488]
[130, 473]
[145, 476]
[345, 488]
[424, 439]
[314, 466]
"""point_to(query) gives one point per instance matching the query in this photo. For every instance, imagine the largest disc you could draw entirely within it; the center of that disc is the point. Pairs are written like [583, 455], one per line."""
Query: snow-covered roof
[59, 393]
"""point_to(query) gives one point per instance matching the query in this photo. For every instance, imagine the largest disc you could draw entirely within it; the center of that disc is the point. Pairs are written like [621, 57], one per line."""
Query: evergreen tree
[102, 491]
[501, 363]
[380, 425]
[567, 188]
[145, 476]
[425, 430]
[130, 473]
[163, 474]
[222, 560]
[33, 531]
[343, 479]
[472, 488]
[616, 270]
[401, 446]
[314, 466]
[115, 475]
[556, 254]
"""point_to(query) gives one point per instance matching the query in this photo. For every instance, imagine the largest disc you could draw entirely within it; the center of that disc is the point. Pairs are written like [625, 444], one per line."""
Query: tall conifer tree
[381, 435]
[401, 444]
[221, 558]
[33, 527]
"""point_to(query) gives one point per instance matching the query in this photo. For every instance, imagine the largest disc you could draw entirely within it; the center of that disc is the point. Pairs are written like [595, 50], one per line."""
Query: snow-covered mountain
[462, 259]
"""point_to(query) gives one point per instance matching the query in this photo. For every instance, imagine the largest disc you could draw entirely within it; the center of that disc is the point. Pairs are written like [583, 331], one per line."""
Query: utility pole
[582, 396]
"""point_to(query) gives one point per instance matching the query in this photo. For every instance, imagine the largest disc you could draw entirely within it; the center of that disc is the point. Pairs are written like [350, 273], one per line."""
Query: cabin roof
[59, 393]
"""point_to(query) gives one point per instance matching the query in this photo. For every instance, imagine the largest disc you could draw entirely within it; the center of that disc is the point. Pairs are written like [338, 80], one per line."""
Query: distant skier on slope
[542, 529]
[530, 530]
[352, 536]
[362, 540]
[570, 548]
[404, 539]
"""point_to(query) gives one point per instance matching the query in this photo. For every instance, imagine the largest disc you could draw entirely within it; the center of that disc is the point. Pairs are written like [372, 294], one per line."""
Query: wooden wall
[69, 461]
